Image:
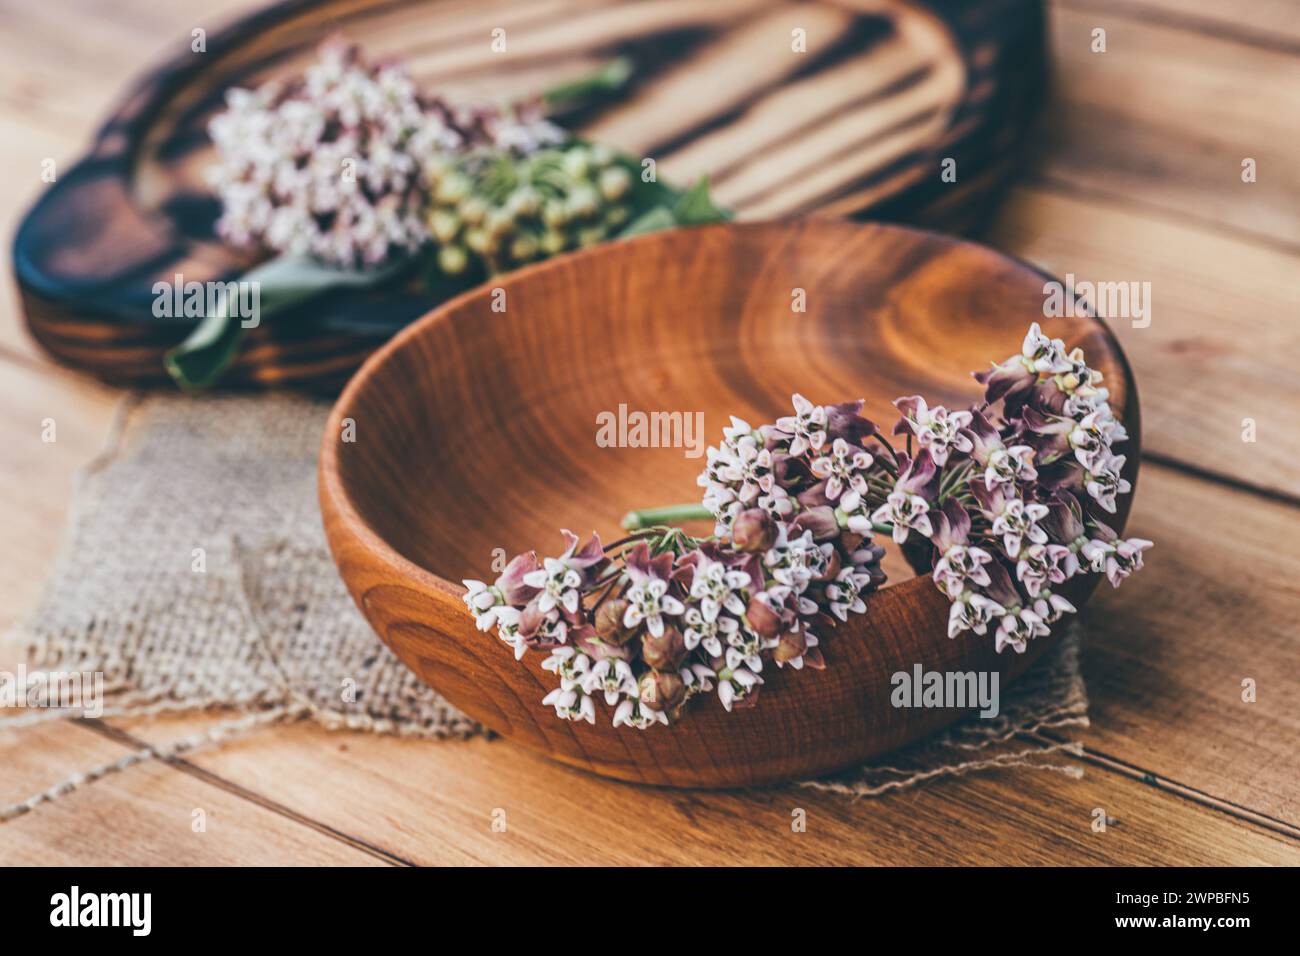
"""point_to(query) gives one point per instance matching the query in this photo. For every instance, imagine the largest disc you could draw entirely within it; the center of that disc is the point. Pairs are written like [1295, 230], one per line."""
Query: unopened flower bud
[591, 236]
[661, 690]
[436, 167]
[555, 213]
[452, 260]
[820, 520]
[754, 530]
[523, 248]
[834, 564]
[665, 652]
[452, 189]
[791, 645]
[553, 242]
[444, 224]
[583, 202]
[614, 183]
[762, 617]
[472, 210]
[599, 650]
[499, 222]
[577, 162]
[609, 622]
[523, 201]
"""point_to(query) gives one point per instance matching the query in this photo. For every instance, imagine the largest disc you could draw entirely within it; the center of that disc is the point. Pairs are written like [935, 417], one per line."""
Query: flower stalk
[667, 514]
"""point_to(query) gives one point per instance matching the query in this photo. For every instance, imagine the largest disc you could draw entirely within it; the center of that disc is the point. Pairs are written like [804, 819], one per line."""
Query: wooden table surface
[1136, 176]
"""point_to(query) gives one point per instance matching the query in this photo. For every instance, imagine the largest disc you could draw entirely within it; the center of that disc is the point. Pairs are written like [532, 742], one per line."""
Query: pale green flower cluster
[498, 211]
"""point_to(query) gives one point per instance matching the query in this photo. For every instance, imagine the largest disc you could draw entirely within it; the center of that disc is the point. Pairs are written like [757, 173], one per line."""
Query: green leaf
[200, 360]
[652, 220]
[696, 206]
[207, 352]
[692, 208]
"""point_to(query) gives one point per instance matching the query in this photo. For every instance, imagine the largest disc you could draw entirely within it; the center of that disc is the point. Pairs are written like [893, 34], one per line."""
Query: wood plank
[799, 105]
[595, 29]
[80, 73]
[1217, 603]
[754, 55]
[433, 803]
[1225, 329]
[142, 816]
[27, 145]
[468, 25]
[144, 18]
[1166, 115]
[58, 66]
[1268, 23]
[36, 477]
[875, 136]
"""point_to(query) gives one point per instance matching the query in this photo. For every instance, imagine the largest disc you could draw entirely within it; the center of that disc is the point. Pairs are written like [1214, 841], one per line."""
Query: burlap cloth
[195, 576]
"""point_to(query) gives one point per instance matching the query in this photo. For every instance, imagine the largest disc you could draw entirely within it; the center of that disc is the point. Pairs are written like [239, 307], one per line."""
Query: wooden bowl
[474, 437]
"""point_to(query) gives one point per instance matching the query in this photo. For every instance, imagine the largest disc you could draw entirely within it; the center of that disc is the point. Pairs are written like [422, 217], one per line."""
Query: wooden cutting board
[857, 125]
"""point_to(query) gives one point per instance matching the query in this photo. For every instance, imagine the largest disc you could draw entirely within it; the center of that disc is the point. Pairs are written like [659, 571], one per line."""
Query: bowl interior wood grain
[474, 437]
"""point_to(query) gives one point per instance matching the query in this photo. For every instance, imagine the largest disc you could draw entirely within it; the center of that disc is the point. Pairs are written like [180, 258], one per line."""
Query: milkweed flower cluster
[1001, 503]
[653, 620]
[333, 163]
[500, 210]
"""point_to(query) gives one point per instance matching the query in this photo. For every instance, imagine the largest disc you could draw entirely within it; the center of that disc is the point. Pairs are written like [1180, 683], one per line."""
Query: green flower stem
[631, 539]
[644, 518]
[669, 514]
[601, 82]
[953, 479]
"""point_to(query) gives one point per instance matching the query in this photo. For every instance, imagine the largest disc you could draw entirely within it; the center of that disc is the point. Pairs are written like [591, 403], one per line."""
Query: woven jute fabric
[195, 577]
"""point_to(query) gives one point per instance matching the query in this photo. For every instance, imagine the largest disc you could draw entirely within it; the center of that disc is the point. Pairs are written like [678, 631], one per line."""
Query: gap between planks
[1275, 495]
[182, 765]
[1124, 768]
[1040, 177]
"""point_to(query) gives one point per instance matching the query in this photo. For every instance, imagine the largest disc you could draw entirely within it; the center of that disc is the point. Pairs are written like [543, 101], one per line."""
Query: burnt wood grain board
[857, 126]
